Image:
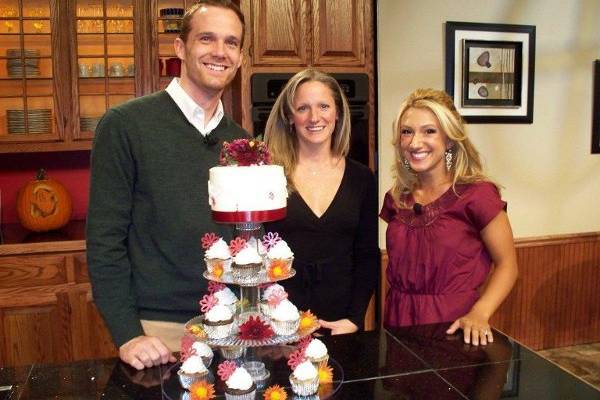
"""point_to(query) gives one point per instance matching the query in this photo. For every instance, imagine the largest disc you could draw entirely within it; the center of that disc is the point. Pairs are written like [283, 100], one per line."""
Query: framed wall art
[596, 110]
[490, 71]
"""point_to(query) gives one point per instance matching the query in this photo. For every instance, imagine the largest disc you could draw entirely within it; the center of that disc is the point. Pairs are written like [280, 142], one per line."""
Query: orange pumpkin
[43, 204]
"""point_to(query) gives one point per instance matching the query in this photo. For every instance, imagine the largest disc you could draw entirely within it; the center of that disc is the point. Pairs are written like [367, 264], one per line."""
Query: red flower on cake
[186, 348]
[202, 390]
[236, 245]
[270, 239]
[296, 358]
[244, 152]
[208, 240]
[255, 329]
[214, 287]
[225, 369]
[276, 297]
[208, 301]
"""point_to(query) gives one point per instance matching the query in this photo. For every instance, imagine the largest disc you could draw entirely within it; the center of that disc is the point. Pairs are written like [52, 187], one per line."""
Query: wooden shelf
[18, 240]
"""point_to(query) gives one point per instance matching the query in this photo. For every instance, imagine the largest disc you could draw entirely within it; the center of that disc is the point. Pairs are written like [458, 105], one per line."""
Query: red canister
[173, 66]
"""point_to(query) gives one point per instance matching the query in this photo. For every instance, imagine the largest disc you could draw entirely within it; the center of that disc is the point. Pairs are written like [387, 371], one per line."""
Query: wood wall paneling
[555, 300]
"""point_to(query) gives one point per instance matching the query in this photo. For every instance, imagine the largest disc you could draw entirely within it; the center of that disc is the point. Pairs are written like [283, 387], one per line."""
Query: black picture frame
[490, 71]
[596, 110]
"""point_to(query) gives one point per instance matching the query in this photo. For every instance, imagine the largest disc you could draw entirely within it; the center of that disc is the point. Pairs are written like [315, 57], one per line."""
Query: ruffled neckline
[431, 211]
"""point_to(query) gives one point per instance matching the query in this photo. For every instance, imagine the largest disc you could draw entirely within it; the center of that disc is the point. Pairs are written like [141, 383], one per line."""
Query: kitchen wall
[550, 179]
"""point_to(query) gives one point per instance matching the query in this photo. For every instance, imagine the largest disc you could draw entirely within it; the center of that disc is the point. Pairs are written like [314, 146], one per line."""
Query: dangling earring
[448, 154]
[406, 164]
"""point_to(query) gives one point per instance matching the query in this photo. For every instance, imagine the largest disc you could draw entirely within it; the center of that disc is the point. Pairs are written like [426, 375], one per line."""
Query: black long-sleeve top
[336, 256]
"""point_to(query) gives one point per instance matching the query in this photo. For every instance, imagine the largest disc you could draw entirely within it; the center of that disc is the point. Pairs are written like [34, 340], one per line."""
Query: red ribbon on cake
[236, 217]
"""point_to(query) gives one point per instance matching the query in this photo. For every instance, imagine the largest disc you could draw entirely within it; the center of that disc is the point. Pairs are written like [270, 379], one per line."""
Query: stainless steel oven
[265, 87]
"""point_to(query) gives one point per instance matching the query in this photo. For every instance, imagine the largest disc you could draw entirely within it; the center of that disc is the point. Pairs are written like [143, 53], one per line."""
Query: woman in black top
[331, 223]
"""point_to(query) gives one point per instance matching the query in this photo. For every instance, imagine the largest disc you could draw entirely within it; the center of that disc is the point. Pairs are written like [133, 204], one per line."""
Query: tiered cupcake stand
[252, 353]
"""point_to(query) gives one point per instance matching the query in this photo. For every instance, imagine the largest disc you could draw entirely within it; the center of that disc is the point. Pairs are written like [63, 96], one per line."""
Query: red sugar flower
[296, 358]
[304, 342]
[225, 369]
[214, 287]
[186, 348]
[270, 239]
[208, 301]
[255, 329]
[208, 240]
[236, 245]
[278, 269]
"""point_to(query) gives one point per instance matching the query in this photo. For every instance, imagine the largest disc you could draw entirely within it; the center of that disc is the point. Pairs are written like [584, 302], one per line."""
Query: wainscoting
[556, 301]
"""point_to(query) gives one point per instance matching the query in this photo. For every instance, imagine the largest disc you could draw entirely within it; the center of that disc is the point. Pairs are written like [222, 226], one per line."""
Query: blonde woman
[446, 225]
[331, 222]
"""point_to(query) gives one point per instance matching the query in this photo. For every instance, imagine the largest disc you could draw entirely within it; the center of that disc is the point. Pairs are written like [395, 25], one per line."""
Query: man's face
[211, 55]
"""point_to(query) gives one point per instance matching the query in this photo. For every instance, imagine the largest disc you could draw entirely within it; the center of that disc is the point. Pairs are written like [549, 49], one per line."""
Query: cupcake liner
[285, 328]
[318, 361]
[218, 331]
[187, 380]
[304, 388]
[245, 396]
[211, 262]
[265, 309]
[258, 372]
[245, 274]
[231, 352]
[288, 261]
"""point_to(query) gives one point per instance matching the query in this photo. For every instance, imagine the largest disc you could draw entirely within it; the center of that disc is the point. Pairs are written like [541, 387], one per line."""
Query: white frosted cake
[257, 191]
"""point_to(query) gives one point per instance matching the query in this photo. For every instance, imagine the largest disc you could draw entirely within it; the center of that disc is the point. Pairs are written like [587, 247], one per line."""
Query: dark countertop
[419, 362]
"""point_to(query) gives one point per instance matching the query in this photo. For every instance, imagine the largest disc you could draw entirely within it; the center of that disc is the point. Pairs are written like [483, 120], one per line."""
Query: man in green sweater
[148, 196]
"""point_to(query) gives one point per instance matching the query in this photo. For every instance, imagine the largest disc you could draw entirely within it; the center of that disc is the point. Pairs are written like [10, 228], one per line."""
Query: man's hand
[145, 352]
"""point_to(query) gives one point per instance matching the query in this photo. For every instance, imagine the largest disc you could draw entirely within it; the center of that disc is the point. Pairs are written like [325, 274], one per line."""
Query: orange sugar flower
[217, 270]
[325, 374]
[202, 390]
[197, 331]
[278, 269]
[275, 392]
[307, 320]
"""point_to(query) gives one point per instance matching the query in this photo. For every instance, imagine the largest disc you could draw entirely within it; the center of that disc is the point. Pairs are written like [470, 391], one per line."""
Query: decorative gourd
[43, 204]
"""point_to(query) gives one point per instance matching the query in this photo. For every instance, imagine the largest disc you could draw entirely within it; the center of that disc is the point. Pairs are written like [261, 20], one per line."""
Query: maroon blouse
[437, 259]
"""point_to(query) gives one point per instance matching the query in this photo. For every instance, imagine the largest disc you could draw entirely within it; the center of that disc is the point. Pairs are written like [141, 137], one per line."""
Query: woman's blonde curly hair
[466, 162]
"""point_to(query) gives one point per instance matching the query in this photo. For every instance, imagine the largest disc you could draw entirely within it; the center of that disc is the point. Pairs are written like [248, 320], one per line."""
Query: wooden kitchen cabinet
[308, 32]
[46, 310]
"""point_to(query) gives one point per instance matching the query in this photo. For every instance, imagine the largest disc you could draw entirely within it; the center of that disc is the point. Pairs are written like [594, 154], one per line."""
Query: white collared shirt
[192, 111]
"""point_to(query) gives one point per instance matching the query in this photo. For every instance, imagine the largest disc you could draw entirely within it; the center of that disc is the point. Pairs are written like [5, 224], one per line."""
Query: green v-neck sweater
[148, 209]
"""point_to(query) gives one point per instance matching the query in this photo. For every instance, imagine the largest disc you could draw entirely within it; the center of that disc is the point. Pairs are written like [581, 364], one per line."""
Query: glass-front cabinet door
[105, 59]
[27, 110]
[168, 20]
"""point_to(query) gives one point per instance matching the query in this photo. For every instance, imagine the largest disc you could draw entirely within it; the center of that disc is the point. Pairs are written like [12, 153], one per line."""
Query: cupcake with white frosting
[305, 379]
[226, 297]
[218, 322]
[204, 351]
[191, 370]
[238, 382]
[316, 352]
[218, 258]
[270, 293]
[285, 318]
[246, 265]
[280, 251]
